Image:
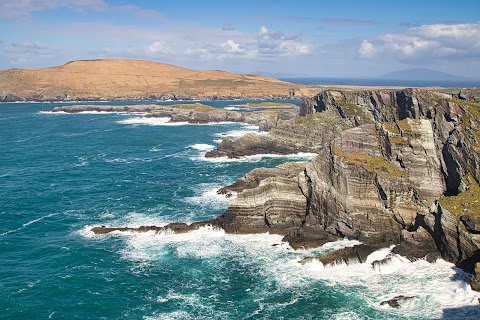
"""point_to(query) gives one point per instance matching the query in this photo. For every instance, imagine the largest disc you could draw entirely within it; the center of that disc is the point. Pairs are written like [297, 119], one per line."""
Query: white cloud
[230, 46]
[12, 9]
[275, 43]
[22, 53]
[436, 41]
[266, 43]
[159, 47]
[367, 50]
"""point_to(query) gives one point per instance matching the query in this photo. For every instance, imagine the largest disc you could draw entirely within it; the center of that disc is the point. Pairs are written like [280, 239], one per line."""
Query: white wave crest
[151, 121]
[202, 147]
[301, 156]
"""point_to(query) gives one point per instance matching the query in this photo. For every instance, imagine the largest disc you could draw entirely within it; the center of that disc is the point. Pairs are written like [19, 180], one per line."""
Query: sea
[62, 174]
[461, 83]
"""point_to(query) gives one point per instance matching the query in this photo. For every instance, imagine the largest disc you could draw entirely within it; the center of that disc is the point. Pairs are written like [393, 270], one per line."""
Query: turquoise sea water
[61, 174]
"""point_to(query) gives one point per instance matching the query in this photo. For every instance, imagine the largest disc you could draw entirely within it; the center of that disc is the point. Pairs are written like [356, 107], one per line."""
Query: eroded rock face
[270, 200]
[393, 167]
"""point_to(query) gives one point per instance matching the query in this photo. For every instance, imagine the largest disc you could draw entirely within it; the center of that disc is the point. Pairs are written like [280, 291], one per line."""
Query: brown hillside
[121, 79]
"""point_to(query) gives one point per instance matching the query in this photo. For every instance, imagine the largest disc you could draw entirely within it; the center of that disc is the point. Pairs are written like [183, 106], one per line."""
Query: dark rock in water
[356, 254]
[395, 301]
[378, 264]
[308, 237]
[175, 227]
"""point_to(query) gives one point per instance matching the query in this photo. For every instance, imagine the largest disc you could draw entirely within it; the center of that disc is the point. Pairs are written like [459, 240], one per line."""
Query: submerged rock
[395, 301]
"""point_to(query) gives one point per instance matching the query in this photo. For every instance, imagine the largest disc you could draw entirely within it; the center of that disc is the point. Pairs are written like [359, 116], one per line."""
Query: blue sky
[282, 38]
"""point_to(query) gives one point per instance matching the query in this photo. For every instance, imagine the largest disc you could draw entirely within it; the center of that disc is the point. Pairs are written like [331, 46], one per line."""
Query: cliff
[397, 167]
[405, 171]
[120, 79]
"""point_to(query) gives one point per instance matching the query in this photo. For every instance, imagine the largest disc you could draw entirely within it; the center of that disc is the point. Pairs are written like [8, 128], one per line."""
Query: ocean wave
[207, 197]
[202, 147]
[150, 121]
[165, 121]
[432, 286]
[93, 112]
[241, 132]
[301, 156]
[232, 108]
[128, 160]
[26, 224]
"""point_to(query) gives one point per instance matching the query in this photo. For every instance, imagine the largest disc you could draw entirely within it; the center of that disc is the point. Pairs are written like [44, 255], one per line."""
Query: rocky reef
[394, 167]
[194, 113]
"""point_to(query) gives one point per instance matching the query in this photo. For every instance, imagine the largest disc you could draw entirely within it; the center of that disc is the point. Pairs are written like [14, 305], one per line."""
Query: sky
[299, 38]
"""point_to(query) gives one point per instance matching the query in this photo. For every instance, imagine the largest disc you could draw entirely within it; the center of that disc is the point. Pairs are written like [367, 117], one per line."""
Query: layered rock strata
[393, 167]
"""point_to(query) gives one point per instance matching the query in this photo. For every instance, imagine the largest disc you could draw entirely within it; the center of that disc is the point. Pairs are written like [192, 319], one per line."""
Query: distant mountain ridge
[421, 74]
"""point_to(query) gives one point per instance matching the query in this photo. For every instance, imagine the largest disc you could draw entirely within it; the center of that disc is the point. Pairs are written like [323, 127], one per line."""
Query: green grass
[467, 202]
[379, 165]
[392, 127]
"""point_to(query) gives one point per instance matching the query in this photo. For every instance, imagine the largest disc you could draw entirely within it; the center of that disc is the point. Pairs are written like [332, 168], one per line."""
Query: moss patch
[392, 127]
[379, 165]
[353, 110]
[404, 125]
[467, 202]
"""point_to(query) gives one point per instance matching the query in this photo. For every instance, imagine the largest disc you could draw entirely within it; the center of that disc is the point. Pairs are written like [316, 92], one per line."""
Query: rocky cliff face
[402, 167]
[393, 167]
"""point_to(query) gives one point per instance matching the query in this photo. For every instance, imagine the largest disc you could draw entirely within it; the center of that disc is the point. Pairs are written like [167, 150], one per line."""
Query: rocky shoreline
[161, 97]
[195, 113]
[394, 167]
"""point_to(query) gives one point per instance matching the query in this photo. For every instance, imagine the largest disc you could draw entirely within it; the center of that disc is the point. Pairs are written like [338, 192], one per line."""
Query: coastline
[276, 200]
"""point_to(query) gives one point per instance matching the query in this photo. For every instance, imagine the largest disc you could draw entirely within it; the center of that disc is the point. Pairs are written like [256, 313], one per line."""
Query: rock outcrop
[193, 113]
[393, 168]
[399, 163]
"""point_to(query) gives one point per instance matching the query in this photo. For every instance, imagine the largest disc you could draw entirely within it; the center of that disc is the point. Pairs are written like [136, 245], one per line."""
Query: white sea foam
[301, 156]
[92, 112]
[151, 121]
[128, 160]
[240, 132]
[165, 121]
[202, 147]
[207, 197]
[433, 286]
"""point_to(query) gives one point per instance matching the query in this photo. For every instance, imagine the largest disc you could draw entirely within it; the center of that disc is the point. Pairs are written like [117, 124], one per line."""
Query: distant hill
[137, 79]
[421, 74]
